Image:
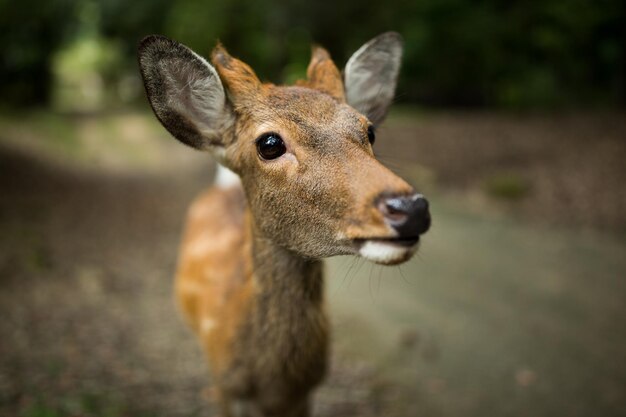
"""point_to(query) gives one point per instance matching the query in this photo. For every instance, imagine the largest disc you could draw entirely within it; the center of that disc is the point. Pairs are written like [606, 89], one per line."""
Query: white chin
[386, 253]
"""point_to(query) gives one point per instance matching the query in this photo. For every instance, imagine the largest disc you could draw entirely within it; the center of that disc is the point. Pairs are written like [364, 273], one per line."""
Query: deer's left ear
[371, 75]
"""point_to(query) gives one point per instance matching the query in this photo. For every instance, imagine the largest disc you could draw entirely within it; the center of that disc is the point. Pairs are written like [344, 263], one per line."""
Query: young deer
[298, 182]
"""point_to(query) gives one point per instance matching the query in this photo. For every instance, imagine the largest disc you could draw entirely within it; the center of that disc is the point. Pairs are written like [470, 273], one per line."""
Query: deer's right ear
[185, 92]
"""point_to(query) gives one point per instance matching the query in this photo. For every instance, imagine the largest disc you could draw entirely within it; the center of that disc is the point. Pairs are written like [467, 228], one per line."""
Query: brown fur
[249, 279]
[323, 74]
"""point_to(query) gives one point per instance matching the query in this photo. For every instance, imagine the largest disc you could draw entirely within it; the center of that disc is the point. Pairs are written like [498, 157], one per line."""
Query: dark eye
[371, 135]
[270, 146]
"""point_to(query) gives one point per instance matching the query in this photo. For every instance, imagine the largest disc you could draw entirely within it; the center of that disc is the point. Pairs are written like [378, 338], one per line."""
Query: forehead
[311, 113]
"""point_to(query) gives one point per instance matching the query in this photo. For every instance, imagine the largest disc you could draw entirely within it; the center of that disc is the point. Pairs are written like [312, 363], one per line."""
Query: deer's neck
[287, 325]
[285, 280]
[288, 319]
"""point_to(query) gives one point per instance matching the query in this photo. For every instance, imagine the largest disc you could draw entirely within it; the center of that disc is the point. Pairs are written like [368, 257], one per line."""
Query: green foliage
[40, 410]
[507, 186]
[82, 71]
[549, 53]
[87, 404]
[32, 30]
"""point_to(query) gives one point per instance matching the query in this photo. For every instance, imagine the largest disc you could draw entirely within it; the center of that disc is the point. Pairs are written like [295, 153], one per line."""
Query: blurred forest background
[509, 117]
[519, 54]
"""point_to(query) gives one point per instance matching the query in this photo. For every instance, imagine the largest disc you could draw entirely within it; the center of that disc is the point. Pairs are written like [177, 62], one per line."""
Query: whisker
[402, 275]
[343, 281]
[360, 262]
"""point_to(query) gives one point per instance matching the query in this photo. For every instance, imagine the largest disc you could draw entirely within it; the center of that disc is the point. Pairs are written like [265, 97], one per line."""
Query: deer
[297, 181]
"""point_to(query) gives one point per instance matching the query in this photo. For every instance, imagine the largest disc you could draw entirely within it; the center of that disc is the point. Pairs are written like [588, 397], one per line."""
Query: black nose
[409, 215]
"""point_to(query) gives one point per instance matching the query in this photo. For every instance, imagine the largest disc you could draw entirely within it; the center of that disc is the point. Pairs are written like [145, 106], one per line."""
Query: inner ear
[185, 92]
[323, 74]
[371, 75]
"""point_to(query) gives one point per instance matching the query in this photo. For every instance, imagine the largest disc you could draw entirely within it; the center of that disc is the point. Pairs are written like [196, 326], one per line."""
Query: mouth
[387, 251]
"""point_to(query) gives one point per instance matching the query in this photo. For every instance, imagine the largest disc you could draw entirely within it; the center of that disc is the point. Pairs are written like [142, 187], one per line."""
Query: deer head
[304, 152]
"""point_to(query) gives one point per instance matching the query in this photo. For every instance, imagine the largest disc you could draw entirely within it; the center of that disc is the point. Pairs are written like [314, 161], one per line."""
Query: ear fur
[371, 75]
[185, 92]
[322, 74]
[242, 84]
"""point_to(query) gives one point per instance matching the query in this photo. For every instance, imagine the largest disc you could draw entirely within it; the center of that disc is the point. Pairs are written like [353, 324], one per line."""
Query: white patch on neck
[225, 178]
[207, 325]
[383, 252]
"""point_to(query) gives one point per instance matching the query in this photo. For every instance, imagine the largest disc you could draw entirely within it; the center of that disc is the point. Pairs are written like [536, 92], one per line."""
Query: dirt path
[88, 324]
[495, 317]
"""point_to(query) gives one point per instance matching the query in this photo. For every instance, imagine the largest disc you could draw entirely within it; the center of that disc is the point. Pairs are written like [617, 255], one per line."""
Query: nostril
[394, 210]
[395, 206]
[409, 215]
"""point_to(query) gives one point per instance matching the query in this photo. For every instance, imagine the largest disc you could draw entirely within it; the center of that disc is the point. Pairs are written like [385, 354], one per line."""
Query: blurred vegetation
[507, 186]
[523, 54]
[82, 404]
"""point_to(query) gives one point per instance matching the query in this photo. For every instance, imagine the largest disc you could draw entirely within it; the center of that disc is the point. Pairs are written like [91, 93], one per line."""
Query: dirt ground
[87, 252]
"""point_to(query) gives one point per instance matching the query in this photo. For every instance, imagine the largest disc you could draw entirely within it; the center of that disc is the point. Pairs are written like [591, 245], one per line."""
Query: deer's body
[259, 314]
[249, 279]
